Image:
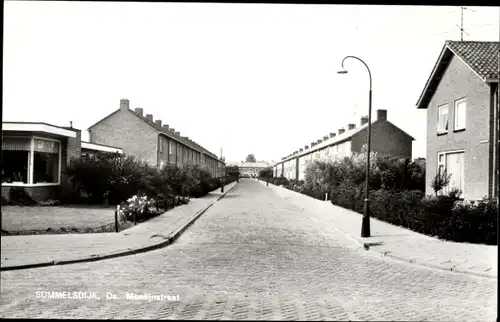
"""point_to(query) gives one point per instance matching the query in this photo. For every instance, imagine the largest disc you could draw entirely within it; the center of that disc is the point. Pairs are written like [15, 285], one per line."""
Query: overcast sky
[248, 78]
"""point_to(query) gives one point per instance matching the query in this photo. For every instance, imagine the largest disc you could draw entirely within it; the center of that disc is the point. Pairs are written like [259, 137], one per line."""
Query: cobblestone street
[253, 255]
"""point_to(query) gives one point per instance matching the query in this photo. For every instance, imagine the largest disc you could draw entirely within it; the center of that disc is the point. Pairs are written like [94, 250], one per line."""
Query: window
[30, 160]
[442, 123]
[460, 111]
[160, 144]
[454, 164]
[170, 147]
[46, 161]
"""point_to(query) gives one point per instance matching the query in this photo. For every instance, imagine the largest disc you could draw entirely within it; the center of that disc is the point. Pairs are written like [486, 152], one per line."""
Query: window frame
[160, 144]
[31, 159]
[442, 163]
[438, 129]
[455, 118]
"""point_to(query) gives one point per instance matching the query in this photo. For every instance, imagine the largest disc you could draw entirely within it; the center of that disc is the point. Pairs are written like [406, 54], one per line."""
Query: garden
[96, 186]
[397, 196]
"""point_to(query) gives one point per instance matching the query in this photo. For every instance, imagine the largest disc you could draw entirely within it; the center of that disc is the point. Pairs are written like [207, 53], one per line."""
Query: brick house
[387, 139]
[151, 141]
[250, 169]
[35, 156]
[461, 98]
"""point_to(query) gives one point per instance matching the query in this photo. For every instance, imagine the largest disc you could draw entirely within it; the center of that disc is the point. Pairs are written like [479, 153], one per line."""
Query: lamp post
[365, 226]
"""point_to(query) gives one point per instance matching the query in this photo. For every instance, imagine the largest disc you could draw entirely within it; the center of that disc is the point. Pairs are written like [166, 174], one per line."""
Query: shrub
[20, 197]
[49, 202]
[440, 181]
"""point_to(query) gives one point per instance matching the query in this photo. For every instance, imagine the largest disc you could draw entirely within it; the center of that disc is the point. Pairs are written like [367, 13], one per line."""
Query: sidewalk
[29, 251]
[401, 243]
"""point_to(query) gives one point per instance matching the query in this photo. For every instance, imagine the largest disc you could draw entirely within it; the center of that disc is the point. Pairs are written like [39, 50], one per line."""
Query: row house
[461, 99]
[387, 139]
[35, 156]
[250, 169]
[151, 140]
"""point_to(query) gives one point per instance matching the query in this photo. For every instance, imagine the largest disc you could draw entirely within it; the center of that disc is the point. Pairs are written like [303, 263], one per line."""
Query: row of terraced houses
[35, 155]
[461, 99]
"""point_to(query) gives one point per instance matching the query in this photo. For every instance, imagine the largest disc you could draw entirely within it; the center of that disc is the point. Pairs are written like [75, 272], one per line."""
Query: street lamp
[365, 225]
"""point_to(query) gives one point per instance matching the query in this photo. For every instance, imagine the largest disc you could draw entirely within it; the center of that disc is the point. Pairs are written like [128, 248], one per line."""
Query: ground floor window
[30, 160]
[15, 166]
[454, 164]
[45, 167]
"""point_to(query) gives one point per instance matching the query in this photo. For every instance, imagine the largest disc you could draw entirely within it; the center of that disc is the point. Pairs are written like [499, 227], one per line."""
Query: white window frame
[170, 149]
[31, 159]
[445, 130]
[456, 127]
[442, 163]
[160, 148]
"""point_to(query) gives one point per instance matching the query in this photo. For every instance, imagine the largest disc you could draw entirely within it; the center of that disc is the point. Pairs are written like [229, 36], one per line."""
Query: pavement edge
[168, 240]
[367, 246]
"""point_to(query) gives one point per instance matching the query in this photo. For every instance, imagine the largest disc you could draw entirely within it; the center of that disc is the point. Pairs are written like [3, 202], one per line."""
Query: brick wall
[386, 139]
[460, 81]
[124, 129]
[70, 148]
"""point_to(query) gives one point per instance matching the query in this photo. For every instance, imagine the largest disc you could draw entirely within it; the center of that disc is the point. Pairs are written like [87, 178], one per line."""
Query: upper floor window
[442, 123]
[161, 144]
[460, 111]
[170, 147]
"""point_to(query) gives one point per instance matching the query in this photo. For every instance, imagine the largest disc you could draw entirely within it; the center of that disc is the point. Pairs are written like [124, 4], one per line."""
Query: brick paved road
[254, 256]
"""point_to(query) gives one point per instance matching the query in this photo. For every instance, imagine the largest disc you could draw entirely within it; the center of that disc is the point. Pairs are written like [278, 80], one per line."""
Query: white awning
[37, 127]
[98, 147]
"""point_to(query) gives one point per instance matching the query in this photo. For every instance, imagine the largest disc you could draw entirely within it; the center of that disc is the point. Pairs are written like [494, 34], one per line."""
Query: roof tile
[481, 56]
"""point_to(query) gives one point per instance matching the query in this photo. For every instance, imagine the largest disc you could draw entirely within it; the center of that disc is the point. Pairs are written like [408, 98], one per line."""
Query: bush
[442, 216]
[49, 202]
[18, 196]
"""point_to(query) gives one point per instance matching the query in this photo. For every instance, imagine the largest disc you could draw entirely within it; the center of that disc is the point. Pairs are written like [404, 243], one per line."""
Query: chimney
[364, 120]
[325, 138]
[381, 115]
[178, 133]
[139, 111]
[172, 130]
[313, 144]
[300, 150]
[332, 135]
[158, 122]
[319, 141]
[306, 147]
[149, 117]
[351, 126]
[71, 124]
[165, 127]
[124, 104]
[341, 131]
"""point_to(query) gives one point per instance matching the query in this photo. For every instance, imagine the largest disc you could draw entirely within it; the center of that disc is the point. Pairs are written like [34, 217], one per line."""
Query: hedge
[116, 178]
[397, 196]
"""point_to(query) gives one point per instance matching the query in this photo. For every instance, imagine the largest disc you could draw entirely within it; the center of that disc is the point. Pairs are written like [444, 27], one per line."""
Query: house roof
[167, 133]
[346, 136]
[480, 56]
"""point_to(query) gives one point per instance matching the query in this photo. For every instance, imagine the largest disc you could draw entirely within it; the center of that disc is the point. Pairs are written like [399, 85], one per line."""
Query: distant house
[250, 169]
[461, 98]
[35, 156]
[387, 139]
[151, 141]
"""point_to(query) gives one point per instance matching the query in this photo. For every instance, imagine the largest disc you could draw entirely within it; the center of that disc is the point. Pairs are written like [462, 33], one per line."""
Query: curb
[367, 245]
[169, 239]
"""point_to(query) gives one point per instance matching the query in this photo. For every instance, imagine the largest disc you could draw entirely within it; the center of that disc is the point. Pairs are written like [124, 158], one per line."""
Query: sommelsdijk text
[67, 295]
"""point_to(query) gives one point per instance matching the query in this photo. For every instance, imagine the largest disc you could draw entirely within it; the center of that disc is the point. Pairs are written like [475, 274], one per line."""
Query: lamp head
[342, 71]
